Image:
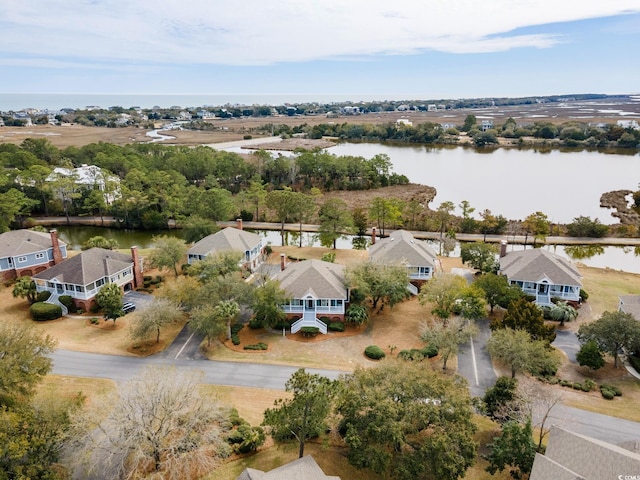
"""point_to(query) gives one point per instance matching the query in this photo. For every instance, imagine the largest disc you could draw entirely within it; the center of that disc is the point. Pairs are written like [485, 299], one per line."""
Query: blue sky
[413, 48]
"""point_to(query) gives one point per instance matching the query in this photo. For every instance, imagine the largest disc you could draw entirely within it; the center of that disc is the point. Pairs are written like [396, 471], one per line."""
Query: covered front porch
[310, 308]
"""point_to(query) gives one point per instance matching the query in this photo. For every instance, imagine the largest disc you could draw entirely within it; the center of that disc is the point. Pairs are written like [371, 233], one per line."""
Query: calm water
[617, 258]
[512, 182]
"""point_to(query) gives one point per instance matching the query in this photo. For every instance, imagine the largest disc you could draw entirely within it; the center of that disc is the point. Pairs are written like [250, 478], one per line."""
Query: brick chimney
[239, 223]
[503, 248]
[282, 261]
[373, 236]
[57, 254]
[138, 281]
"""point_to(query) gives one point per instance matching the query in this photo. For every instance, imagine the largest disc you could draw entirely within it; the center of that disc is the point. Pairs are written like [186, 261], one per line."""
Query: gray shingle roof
[87, 267]
[315, 277]
[535, 264]
[402, 248]
[630, 304]
[572, 456]
[228, 239]
[23, 242]
[304, 468]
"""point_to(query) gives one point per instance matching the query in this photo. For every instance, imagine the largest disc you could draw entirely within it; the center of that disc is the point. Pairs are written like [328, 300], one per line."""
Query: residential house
[572, 456]
[82, 275]
[230, 239]
[302, 468]
[315, 289]
[401, 248]
[88, 177]
[541, 274]
[27, 252]
[630, 304]
[486, 125]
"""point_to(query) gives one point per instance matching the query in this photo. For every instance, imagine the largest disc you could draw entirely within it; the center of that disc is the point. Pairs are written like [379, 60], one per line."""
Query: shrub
[147, 278]
[45, 311]
[635, 362]
[67, 301]
[414, 354]
[325, 320]
[577, 386]
[235, 339]
[236, 327]
[43, 296]
[328, 257]
[607, 394]
[309, 331]
[430, 351]
[590, 384]
[282, 324]
[257, 346]
[336, 327]
[235, 418]
[374, 352]
[254, 324]
[94, 321]
[616, 390]
[583, 295]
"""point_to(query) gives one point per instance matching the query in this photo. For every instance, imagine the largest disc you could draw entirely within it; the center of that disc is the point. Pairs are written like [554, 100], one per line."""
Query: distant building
[88, 177]
[404, 121]
[486, 125]
[628, 124]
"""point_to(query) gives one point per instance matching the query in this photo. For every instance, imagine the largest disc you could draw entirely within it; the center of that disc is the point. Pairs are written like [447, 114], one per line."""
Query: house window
[39, 256]
[336, 303]
[296, 302]
[323, 303]
[79, 288]
[22, 259]
[100, 282]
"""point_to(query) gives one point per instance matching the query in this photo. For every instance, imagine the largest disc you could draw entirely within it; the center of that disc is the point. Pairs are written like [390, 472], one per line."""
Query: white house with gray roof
[230, 239]
[542, 274]
[401, 248]
[90, 177]
[83, 275]
[27, 252]
[315, 289]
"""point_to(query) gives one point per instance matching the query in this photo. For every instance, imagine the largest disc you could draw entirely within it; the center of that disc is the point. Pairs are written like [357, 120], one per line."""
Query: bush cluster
[418, 354]
[374, 352]
[45, 311]
[257, 346]
[609, 392]
[254, 324]
[243, 438]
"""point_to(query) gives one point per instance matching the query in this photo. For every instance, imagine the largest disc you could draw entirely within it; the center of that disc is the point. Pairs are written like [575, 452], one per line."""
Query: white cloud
[256, 32]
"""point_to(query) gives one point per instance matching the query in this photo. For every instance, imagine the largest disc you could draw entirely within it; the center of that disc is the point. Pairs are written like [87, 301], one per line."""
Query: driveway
[474, 361]
[567, 341]
[139, 299]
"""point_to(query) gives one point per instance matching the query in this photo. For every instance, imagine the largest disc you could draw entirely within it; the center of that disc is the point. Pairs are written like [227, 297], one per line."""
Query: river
[614, 257]
[563, 184]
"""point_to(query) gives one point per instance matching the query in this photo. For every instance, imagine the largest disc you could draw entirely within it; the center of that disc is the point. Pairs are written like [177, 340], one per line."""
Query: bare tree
[153, 317]
[157, 422]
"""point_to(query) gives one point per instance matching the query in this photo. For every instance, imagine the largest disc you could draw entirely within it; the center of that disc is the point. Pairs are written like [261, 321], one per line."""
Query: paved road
[474, 361]
[120, 368]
